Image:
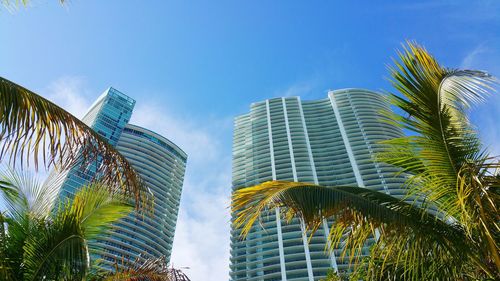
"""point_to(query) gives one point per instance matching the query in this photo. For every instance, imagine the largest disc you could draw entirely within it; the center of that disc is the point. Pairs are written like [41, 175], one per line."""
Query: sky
[194, 65]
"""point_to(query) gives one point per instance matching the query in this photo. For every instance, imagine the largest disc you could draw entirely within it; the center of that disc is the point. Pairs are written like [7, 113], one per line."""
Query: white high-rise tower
[330, 142]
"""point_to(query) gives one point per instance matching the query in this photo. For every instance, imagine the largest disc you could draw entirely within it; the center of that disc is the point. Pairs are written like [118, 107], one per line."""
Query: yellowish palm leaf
[35, 130]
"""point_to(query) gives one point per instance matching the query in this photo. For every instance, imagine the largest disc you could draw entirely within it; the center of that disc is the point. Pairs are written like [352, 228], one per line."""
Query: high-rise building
[108, 116]
[331, 141]
[160, 164]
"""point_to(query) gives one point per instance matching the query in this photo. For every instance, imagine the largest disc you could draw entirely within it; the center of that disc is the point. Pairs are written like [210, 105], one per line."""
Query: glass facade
[107, 116]
[160, 164]
[331, 141]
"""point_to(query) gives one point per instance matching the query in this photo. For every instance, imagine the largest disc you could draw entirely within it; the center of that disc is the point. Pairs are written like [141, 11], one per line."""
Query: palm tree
[35, 130]
[40, 242]
[447, 227]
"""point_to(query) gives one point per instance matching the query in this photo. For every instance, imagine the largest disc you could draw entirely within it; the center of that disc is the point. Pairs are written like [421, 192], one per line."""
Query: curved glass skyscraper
[159, 162]
[331, 141]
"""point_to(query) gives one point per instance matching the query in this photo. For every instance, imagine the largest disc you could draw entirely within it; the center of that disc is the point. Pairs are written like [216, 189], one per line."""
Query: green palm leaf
[56, 249]
[362, 213]
[63, 242]
[443, 156]
[35, 129]
[52, 243]
[6, 263]
[426, 247]
[25, 195]
[97, 209]
[434, 100]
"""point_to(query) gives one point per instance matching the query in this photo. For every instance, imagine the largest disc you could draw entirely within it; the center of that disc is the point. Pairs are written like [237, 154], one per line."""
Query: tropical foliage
[40, 242]
[34, 130]
[154, 269]
[447, 228]
[331, 275]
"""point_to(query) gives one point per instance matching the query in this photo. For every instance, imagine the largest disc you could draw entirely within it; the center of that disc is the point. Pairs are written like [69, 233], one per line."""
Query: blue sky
[193, 65]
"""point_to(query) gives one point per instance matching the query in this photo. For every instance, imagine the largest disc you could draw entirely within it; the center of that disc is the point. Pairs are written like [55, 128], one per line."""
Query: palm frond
[153, 269]
[53, 245]
[25, 195]
[6, 263]
[443, 156]
[97, 209]
[478, 202]
[35, 129]
[313, 203]
[15, 233]
[435, 100]
[407, 232]
[56, 249]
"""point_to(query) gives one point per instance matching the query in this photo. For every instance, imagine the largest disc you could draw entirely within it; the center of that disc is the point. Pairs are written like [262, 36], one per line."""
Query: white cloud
[300, 89]
[201, 240]
[70, 93]
[297, 90]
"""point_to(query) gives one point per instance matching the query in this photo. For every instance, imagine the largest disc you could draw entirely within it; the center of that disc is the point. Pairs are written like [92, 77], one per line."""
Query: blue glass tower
[107, 116]
[161, 165]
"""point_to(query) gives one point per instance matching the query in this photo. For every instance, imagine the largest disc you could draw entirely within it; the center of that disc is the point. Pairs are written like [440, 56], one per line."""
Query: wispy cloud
[71, 93]
[485, 116]
[473, 58]
[301, 89]
[201, 241]
[484, 56]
